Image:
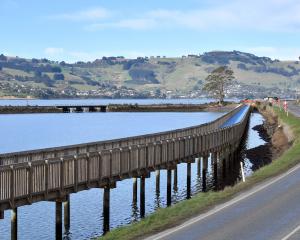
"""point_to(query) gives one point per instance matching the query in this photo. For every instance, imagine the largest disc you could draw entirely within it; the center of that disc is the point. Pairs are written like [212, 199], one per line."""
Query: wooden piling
[157, 181]
[142, 196]
[175, 183]
[14, 224]
[58, 220]
[214, 161]
[199, 167]
[169, 181]
[106, 203]
[1, 214]
[224, 165]
[67, 217]
[204, 171]
[134, 190]
[188, 180]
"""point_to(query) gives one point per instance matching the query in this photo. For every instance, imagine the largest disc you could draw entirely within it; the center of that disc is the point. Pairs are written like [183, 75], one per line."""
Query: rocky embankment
[278, 138]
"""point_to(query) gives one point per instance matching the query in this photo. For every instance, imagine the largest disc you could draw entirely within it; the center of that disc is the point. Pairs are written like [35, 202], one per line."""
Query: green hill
[145, 77]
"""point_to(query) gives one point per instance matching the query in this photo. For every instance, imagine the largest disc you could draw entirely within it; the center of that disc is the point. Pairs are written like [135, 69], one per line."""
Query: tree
[218, 81]
[58, 76]
[37, 73]
[3, 58]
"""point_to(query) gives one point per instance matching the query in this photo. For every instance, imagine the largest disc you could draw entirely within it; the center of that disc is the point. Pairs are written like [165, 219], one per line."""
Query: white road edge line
[223, 206]
[291, 233]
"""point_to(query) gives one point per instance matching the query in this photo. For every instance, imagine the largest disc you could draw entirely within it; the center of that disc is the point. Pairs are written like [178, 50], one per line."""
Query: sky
[84, 30]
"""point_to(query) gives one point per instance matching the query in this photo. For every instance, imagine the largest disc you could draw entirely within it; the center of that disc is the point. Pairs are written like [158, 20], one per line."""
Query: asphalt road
[294, 108]
[270, 210]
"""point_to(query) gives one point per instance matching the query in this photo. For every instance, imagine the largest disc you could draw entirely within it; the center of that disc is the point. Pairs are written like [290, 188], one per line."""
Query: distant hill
[144, 77]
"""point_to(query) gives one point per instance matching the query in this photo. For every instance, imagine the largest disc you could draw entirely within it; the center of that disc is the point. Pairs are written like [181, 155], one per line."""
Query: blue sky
[73, 30]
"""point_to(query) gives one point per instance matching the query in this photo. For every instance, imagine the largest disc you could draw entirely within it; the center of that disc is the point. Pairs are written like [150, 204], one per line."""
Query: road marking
[291, 233]
[223, 206]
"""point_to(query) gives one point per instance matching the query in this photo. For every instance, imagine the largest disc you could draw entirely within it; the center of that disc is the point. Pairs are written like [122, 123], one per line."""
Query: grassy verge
[167, 217]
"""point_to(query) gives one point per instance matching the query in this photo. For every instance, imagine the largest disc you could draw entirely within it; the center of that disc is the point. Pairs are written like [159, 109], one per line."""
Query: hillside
[145, 77]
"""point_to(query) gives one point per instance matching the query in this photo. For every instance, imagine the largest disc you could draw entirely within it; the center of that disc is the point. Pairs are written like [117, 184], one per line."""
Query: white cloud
[53, 51]
[134, 24]
[268, 15]
[282, 53]
[194, 19]
[85, 15]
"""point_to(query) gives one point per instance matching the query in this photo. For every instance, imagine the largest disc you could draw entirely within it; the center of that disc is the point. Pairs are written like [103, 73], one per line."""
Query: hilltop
[157, 76]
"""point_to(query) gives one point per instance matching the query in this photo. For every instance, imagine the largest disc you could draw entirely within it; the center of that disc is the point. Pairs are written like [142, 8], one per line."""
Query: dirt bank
[277, 135]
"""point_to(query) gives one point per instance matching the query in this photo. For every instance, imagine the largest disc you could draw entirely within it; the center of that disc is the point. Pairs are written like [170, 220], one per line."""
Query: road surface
[294, 108]
[270, 210]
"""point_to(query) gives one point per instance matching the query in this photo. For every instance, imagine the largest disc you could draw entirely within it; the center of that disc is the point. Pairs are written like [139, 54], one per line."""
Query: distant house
[271, 99]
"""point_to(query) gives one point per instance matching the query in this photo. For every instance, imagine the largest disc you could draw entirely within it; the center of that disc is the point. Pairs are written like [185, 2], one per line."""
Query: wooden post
[1, 214]
[242, 171]
[224, 165]
[157, 180]
[175, 186]
[228, 159]
[169, 180]
[204, 171]
[188, 180]
[199, 167]
[14, 224]
[232, 166]
[106, 203]
[67, 214]
[142, 196]
[58, 220]
[134, 194]
[214, 161]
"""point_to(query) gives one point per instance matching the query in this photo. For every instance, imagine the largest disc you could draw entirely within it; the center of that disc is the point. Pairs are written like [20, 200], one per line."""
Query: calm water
[33, 131]
[23, 132]
[40, 102]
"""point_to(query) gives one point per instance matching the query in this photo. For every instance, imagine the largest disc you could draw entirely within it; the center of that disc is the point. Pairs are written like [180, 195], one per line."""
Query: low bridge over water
[82, 108]
[52, 174]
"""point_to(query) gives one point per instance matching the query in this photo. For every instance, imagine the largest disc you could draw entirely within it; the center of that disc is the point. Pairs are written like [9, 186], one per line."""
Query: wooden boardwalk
[52, 174]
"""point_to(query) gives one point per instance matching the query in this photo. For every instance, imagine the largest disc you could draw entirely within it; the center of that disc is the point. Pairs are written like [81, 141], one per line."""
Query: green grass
[167, 217]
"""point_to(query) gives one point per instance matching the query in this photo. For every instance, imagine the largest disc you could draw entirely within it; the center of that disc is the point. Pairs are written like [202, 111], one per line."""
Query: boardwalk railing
[48, 174]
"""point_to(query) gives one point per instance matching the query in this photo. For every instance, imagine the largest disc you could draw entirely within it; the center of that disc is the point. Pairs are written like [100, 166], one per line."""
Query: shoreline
[17, 98]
